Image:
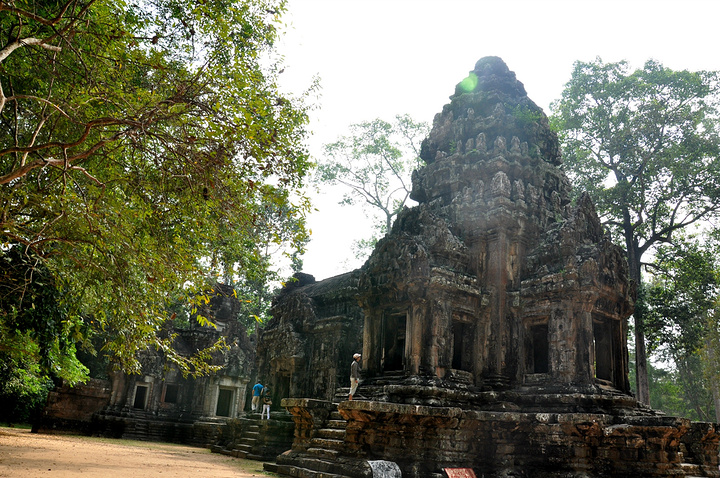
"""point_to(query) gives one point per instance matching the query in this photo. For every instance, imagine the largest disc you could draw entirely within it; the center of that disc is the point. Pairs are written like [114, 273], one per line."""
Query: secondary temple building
[493, 320]
[160, 403]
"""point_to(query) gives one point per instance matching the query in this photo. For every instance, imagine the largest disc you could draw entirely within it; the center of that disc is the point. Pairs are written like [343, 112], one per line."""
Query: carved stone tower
[495, 280]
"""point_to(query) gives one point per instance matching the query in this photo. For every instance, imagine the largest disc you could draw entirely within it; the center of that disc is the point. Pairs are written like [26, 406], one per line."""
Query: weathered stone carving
[495, 323]
[307, 347]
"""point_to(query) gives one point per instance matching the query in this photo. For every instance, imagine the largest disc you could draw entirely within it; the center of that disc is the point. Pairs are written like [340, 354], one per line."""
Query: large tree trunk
[641, 370]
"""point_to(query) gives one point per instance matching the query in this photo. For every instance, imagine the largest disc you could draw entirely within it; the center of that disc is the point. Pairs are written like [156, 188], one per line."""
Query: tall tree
[645, 144]
[145, 146]
[374, 164]
[680, 298]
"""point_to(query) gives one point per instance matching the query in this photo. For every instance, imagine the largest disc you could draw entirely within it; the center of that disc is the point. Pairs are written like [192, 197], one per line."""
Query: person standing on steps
[354, 375]
[267, 401]
[256, 392]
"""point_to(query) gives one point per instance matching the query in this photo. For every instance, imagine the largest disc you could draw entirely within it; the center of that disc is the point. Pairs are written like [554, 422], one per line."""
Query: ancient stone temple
[160, 403]
[494, 322]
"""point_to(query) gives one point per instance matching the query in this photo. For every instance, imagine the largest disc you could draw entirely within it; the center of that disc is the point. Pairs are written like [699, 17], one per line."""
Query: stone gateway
[493, 320]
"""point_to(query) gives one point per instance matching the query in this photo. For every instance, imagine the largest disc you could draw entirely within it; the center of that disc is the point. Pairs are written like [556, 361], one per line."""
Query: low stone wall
[143, 426]
[423, 440]
[70, 409]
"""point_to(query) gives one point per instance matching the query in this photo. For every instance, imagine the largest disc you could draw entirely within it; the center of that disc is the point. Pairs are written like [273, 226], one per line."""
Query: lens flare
[469, 83]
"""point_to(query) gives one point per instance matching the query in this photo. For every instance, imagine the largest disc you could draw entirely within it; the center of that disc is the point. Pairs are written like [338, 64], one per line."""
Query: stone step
[337, 424]
[328, 443]
[247, 440]
[298, 472]
[247, 448]
[237, 453]
[690, 469]
[322, 452]
[328, 465]
[334, 433]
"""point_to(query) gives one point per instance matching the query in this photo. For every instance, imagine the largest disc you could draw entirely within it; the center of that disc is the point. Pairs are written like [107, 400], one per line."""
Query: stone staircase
[323, 457]
[255, 439]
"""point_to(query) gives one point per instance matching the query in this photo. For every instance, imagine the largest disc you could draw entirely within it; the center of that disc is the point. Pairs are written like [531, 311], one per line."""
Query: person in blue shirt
[257, 391]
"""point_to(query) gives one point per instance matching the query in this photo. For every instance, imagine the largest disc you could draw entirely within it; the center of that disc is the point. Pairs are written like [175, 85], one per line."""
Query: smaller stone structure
[163, 405]
[307, 347]
[72, 408]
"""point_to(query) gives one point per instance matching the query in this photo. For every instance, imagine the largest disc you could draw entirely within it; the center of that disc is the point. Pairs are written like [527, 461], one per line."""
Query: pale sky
[380, 58]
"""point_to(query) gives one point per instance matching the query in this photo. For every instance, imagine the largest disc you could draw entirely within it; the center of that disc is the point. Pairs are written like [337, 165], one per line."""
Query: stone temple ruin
[493, 320]
[160, 403]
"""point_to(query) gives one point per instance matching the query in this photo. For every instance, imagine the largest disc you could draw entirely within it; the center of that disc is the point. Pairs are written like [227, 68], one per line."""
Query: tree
[645, 145]
[374, 164]
[680, 299]
[145, 148]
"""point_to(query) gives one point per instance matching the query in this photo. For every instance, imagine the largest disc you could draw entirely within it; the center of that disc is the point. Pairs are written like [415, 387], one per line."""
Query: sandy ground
[31, 455]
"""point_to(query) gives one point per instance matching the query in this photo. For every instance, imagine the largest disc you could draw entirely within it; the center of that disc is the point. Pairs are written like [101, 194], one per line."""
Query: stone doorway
[394, 326]
[224, 402]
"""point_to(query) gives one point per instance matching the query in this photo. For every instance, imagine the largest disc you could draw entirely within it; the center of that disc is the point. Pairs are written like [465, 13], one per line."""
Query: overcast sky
[380, 58]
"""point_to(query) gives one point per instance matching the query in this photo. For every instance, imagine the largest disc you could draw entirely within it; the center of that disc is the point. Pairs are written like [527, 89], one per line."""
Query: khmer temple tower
[494, 321]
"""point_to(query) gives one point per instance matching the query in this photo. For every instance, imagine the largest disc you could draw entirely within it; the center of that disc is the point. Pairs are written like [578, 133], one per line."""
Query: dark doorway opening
[393, 341]
[462, 340]
[602, 335]
[540, 348]
[224, 402]
[140, 396]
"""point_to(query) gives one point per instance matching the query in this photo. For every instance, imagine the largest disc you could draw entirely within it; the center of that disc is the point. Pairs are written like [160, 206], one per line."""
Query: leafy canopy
[645, 144]
[144, 148]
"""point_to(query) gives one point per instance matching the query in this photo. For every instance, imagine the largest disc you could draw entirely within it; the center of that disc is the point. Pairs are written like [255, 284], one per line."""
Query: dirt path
[30, 455]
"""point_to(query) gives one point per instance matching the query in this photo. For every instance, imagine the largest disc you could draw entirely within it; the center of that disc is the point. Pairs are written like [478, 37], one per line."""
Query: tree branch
[11, 47]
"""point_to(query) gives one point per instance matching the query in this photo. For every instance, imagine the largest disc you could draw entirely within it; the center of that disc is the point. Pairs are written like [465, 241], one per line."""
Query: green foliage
[679, 320]
[645, 144]
[145, 153]
[23, 386]
[685, 286]
[374, 164]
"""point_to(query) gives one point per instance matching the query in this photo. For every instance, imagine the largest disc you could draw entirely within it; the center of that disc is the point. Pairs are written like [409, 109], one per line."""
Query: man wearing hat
[354, 374]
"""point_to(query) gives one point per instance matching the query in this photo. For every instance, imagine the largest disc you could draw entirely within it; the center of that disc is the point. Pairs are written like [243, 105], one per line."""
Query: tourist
[267, 401]
[354, 375]
[257, 391]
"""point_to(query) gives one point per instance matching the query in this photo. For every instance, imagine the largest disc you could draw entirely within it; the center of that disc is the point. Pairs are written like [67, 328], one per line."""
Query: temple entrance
[605, 341]
[462, 345]
[224, 402]
[140, 397]
[393, 340]
[540, 349]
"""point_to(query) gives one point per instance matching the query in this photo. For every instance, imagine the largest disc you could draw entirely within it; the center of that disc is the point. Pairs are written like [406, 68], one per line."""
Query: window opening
[171, 393]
